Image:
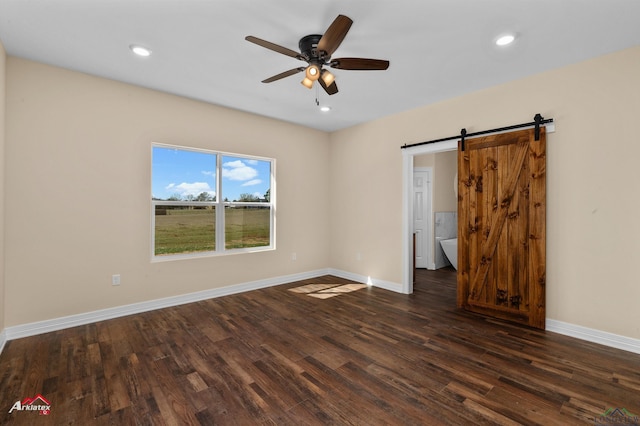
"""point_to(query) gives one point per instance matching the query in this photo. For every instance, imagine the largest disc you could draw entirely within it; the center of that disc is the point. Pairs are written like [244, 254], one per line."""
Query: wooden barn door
[501, 226]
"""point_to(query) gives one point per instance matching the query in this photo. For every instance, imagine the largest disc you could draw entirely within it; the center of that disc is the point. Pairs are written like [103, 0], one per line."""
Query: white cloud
[238, 170]
[252, 182]
[194, 188]
[208, 173]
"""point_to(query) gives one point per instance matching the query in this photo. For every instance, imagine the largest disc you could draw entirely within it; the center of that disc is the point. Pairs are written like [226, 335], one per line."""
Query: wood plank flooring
[275, 357]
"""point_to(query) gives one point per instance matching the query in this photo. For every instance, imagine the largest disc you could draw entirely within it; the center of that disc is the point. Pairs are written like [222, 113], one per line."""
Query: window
[208, 203]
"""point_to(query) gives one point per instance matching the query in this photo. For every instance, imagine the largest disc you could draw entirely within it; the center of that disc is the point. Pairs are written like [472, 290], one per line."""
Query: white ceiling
[438, 49]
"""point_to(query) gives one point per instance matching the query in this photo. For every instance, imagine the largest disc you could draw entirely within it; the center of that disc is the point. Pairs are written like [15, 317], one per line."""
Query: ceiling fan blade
[359, 64]
[283, 75]
[274, 47]
[331, 89]
[334, 34]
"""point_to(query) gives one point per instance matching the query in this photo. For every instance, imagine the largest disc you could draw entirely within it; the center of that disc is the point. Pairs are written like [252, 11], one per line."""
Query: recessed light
[140, 50]
[325, 108]
[505, 39]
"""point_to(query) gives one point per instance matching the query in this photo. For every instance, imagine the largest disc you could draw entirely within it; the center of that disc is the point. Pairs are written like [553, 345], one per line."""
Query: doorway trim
[407, 204]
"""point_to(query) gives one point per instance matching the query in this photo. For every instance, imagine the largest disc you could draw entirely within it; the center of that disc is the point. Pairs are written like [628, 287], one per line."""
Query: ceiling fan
[316, 51]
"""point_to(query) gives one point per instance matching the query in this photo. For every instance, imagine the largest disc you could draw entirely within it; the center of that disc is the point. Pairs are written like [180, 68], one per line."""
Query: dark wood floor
[277, 357]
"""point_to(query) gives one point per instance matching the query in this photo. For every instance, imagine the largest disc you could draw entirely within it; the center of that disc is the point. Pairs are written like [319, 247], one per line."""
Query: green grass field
[187, 230]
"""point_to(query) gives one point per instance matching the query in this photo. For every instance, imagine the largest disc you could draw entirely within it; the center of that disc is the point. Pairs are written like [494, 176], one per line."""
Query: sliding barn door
[501, 226]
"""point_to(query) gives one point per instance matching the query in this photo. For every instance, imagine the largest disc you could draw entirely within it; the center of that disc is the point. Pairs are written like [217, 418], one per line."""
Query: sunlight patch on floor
[325, 291]
[310, 288]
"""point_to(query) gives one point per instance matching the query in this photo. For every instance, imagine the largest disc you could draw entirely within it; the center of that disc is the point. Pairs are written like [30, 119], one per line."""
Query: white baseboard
[34, 328]
[387, 285]
[595, 336]
[3, 339]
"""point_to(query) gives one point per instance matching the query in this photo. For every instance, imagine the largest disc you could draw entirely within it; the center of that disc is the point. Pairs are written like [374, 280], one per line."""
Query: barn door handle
[515, 301]
[501, 297]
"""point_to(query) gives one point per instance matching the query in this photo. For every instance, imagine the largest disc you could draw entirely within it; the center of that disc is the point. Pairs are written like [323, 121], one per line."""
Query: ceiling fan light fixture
[327, 77]
[313, 72]
[307, 83]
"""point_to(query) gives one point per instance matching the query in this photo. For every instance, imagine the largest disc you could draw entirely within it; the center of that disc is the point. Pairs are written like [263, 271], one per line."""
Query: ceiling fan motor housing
[308, 47]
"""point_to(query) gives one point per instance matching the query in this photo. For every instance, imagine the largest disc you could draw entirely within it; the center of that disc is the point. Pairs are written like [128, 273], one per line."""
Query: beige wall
[444, 166]
[444, 197]
[366, 201]
[3, 62]
[78, 203]
[593, 234]
[426, 160]
[77, 156]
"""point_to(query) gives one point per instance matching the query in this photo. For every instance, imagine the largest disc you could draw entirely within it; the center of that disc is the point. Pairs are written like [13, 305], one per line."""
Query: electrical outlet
[115, 279]
[294, 256]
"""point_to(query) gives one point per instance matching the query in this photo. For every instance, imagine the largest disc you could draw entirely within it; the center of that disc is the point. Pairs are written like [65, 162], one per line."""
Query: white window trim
[219, 206]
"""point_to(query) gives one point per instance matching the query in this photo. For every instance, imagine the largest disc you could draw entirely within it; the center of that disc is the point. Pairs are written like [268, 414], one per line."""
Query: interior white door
[422, 215]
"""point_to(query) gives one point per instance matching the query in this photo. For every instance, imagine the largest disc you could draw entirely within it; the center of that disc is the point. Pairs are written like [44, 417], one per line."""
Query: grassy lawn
[246, 227]
[185, 230]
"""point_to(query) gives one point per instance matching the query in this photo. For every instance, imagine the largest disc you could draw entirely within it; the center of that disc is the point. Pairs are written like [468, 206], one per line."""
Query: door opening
[408, 155]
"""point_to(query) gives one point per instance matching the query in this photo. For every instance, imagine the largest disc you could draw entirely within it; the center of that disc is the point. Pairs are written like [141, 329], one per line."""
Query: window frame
[219, 205]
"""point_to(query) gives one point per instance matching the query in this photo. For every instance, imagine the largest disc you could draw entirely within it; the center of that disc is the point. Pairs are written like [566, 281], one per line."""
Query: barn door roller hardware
[463, 134]
[538, 120]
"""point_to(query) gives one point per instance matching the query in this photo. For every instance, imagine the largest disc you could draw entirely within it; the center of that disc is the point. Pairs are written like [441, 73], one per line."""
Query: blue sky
[183, 172]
